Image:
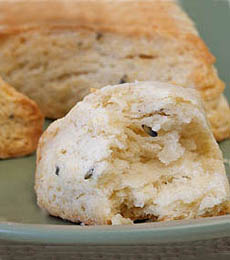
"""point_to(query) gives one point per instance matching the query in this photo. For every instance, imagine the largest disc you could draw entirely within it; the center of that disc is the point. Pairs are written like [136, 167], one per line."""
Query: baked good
[21, 123]
[129, 152]
[56, 57]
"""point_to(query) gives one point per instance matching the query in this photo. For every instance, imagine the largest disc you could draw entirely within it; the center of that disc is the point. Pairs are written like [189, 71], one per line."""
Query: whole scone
[55, 56]
[133, 151]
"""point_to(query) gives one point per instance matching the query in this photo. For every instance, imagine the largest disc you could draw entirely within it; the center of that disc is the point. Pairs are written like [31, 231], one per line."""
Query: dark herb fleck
[99, 36]
[89, 174]
[11, 116]
[63, 151]
[57, 170]
[149, 131]
[79, 44]
[138, 221]
[123, 80]
[162, 112]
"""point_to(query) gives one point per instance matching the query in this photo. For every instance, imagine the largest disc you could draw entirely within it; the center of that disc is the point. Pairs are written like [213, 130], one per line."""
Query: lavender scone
[129, 152]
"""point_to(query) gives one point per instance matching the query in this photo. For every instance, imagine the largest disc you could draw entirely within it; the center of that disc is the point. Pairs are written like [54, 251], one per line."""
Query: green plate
[21, 220]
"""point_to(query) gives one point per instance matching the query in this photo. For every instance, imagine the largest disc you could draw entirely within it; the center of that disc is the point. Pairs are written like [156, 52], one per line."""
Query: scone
[56, 57]
[130, 152]
[21, 123]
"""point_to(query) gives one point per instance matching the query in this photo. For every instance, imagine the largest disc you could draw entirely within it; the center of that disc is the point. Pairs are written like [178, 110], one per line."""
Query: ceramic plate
[22, 220]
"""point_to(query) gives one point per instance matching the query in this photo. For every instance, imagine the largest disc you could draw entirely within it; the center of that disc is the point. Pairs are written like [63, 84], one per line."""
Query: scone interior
[130, 152]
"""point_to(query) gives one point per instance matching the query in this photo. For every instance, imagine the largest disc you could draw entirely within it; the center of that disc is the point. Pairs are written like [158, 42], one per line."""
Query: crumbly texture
[21, 123]
[130, 152]
[56, 57]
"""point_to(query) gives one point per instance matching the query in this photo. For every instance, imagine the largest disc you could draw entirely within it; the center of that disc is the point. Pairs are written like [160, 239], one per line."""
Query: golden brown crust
[21, 123]
[221, 210]
[128, 17]
[220, 113]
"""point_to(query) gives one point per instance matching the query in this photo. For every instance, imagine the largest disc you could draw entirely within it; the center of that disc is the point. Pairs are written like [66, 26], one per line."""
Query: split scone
[21, 123]
[56, 57]
[129, 152]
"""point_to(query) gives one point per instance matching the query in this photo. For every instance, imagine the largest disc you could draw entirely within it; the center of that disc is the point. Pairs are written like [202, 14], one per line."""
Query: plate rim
[141, 234]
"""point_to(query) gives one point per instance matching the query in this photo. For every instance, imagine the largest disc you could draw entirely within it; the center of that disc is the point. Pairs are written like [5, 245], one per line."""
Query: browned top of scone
[130, 17]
